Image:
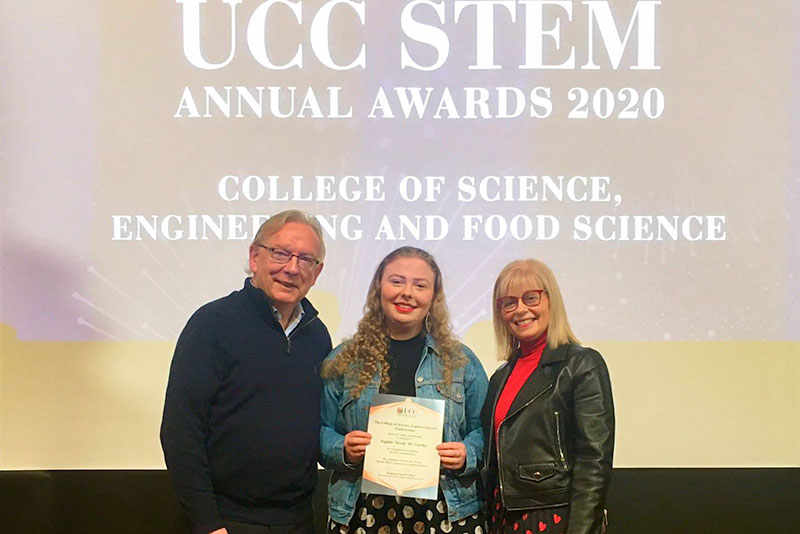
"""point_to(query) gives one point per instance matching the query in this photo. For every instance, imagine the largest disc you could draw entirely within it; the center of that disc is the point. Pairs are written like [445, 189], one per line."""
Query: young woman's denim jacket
[341, 413]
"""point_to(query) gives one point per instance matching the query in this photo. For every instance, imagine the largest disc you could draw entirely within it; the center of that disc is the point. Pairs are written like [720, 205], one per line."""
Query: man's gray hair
[279, 220]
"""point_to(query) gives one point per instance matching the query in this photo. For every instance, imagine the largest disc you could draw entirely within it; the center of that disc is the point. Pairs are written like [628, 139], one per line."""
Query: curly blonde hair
[366, 351]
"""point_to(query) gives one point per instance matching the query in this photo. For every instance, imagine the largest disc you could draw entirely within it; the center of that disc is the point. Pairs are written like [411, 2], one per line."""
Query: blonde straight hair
[539, 276]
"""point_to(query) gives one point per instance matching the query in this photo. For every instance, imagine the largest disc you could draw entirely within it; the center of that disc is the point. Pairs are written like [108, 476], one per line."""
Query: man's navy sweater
[240, 430]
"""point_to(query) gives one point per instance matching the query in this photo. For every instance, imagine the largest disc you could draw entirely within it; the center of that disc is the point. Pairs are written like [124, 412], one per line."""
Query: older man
[240, 431]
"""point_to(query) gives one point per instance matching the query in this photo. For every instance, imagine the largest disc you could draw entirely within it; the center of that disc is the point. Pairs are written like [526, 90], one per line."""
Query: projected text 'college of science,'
[528, 194]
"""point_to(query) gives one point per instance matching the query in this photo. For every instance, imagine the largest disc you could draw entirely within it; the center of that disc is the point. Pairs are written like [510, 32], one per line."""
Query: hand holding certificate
[402, 458]
[355, 445]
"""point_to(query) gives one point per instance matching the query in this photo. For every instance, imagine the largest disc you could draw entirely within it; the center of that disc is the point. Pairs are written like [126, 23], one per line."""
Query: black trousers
[304, 527]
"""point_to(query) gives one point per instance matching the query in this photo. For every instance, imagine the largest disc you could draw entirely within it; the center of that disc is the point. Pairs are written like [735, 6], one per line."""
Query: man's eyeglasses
[278, 255]
[529, 298]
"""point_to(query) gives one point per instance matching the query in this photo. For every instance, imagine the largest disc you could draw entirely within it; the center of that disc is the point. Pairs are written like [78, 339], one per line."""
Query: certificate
[402, 459]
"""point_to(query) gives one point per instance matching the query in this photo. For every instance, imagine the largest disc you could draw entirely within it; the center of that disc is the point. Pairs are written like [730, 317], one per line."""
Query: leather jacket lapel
[540, 380]
[537, 383]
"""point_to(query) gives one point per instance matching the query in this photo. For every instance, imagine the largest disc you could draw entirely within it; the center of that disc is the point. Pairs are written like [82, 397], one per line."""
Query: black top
[240, 431]
[403, 360]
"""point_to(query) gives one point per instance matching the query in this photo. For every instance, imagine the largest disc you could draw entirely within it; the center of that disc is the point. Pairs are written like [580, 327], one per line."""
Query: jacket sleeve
[476, 384]
[331, 442]
[193, 383]
[594, 444]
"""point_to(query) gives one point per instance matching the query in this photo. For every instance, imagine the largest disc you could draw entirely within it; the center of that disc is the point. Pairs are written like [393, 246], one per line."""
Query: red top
[526, 364]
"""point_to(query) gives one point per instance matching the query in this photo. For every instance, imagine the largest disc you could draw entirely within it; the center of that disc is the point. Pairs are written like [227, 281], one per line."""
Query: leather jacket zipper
[558, 441]
[500, 427]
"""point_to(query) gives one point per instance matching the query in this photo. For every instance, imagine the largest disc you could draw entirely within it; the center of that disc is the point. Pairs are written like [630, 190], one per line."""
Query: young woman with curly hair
[404, 346]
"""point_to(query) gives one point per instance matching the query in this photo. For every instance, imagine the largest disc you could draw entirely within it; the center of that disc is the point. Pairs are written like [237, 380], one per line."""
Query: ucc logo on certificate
[402, 457]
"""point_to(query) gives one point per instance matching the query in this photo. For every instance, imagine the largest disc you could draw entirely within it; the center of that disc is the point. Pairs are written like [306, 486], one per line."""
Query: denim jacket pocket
[346, 411]
[453, 395]
[354, 412]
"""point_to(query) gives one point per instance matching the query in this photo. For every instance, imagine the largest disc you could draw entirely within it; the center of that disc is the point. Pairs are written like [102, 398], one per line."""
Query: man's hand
[355, 445]
[220, 531]
[452, 454]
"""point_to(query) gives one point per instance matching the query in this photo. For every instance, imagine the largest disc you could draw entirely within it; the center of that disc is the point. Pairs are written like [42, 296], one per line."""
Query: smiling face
[407, 292]
[286, 284]
[527, 323]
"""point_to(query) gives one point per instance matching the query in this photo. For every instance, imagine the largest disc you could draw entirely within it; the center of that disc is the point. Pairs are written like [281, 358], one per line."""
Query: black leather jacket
[556, 444]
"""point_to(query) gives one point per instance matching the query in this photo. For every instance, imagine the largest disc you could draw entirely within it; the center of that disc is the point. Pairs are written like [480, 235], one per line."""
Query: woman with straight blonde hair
[549, 414]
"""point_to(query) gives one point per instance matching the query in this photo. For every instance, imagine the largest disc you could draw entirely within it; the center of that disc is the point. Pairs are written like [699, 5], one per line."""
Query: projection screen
[645, 150]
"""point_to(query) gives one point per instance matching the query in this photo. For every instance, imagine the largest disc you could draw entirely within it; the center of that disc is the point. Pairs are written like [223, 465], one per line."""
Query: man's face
[286, 283]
